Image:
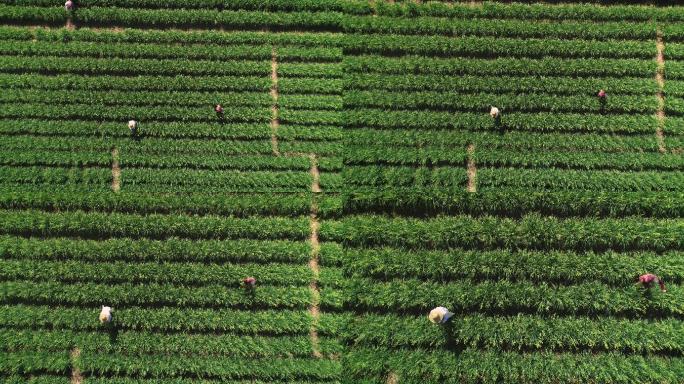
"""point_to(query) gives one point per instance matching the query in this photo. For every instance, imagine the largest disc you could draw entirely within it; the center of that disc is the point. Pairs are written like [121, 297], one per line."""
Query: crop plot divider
[275, 119]
[660, 80]
[314, 309]
[472, 169]
[76, 377]
[116, 170]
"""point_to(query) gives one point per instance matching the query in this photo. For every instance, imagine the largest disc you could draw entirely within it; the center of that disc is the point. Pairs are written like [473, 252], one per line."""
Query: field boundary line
[76, 376]
[660, 80]
[392, 378]
[116, 170]
[314, 309]
[472, 169]
[275, 112]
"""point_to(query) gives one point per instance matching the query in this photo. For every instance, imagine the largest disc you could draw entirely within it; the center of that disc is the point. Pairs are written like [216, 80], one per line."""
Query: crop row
[505, 66]
[550, 179]
[489, 47]
[138, 343]
[54, 144]
[626, 161]
[404, 176]
[212, 162]
[274, 322]
[61, 159]
[448, 140]
[505, 297]
[514, 203]
[450, 101]
[123, 113]
[158, 51]
[71, 176]
[153, 295]
[186, 273]
[409, 81]
[522, 333]
[100, 225]
[476, 366]
[230, 180]
[612, 268]
[160, 137]
[166, 251]
[404, 156]
[534, 122]
[26, 363]
[532, 231]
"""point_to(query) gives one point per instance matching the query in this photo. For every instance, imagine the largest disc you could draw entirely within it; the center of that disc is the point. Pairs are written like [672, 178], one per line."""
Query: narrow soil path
[472, 170]
[660, 79]
[275, 120]
[116, 170]
[70, 24]
[314, 309]
[76, 377]
[392, 378]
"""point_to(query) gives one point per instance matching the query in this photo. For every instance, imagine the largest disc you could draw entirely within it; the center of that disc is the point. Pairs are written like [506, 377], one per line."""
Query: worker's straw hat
[436, 316]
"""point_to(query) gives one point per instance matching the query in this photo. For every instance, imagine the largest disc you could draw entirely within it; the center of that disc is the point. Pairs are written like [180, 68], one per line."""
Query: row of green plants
[164, 319]
[160, 51]
[521, 333]
[191, 274]
[97, 225]
[507, 66]
[450, 101]
[139, 159]
[158, 251]
[511, 202]
[482, 83]
[490, 47]
[612, 268]
[34, 158]
[368, 155]
[624, 161]
[533, 122]
[139, 343]
[472, 366]
[28, 363]
[46, 175]
[119, 66]
[373, 175]
[152, 295]
[230, 180]
[505, 297]
[531, 231]
[449, 140]
[590, 180]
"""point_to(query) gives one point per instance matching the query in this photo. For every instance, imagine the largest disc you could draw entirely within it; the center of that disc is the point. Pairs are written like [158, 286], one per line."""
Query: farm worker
[219, 111]
[133, 126]
[440, 315]
[648, 279]
[106, 315]
[602, 95]
[496, 115]
[69, 5]
[249, 282]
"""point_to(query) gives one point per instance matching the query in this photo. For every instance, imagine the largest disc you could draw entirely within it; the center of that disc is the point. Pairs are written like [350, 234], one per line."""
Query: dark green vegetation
[370, 120]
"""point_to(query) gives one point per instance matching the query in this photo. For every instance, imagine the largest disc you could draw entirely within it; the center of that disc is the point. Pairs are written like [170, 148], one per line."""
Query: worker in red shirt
[219, 112]
[603, 99]
[249, 282]
[648, 279]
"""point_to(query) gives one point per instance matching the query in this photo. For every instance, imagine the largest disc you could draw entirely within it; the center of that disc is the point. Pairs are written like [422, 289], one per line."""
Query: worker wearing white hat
[440, 315]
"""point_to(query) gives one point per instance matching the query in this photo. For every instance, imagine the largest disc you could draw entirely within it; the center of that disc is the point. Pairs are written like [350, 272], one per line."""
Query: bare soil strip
[472, 170]
[70, 24]
[76, 377]
[275, 120]
[314, 309]
[660, 79]
[116, 170]
[392, 378]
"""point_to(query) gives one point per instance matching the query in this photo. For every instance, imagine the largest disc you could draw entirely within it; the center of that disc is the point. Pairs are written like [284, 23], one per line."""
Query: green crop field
[357, 175]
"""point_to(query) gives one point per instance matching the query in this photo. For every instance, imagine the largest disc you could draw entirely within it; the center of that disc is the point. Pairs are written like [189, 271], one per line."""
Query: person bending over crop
[649, 279]
[496, 115]
[69, 5]
[219, 112]
[440, 315]
[106, 315]
[133, 127]
[249, 282]
[603, 99]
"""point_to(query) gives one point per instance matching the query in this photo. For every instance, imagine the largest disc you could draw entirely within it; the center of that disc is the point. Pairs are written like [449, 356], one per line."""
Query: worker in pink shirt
[249, 282]
[648, 279]
[219, 112]
[69, 5]
[603, 99]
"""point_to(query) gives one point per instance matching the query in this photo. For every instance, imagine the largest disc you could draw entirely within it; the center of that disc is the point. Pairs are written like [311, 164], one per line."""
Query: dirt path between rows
[314, 309]
[76, 377]
[472, 169]
[660, 79]
[116, 170]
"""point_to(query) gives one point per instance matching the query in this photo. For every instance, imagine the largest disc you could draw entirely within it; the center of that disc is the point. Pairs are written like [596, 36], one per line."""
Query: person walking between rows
[647, 281]
[440, 315]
